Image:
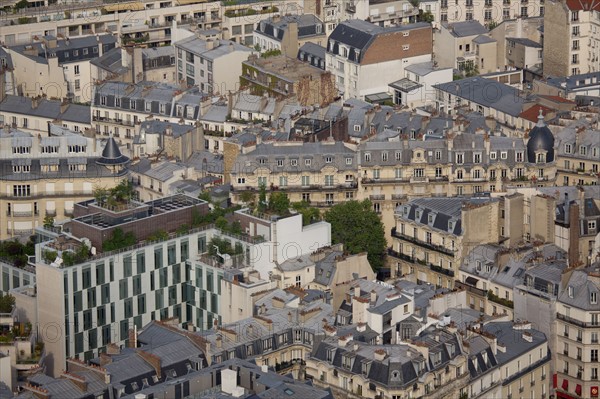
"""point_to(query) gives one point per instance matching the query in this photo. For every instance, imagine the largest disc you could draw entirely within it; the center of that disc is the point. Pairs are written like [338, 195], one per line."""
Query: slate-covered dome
[540, 138]
[111, 155]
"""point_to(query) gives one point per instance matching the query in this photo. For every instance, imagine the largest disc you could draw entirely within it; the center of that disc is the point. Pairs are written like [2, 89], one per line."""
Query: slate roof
[156, 126]
[46, 109]
[487, 93]
[465, 28]
[524, 42]
[111, 155]
[358, 35]
[5, 58]
[483, 39]
[198, 46]
[583, 286]
[513, 340]
[266, 155]
[313, 54]
[307, 26]
[443, 211]
[66, 49]
[110, 61]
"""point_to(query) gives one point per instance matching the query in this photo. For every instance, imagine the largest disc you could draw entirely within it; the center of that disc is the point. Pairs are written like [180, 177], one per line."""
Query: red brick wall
[388, 46]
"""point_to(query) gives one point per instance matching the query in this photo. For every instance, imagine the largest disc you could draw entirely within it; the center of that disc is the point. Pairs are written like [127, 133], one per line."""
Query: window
[367, 157]
[22, 190]
[460, 158]
[298, 281]
[306, 180]
[348, 161]
[328, 159]
[384, 156]
[280, 162]
[76, 67]
[503, 155]
[307, 162]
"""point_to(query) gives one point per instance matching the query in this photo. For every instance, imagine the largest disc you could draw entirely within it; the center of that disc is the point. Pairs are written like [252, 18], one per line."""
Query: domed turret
[111, 155]
[540, 147]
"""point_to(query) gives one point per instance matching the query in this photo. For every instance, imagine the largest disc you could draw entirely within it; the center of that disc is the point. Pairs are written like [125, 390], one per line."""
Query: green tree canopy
[6, 303]
[279, 203]
[119, 239]
[357, 226]
[309, 213]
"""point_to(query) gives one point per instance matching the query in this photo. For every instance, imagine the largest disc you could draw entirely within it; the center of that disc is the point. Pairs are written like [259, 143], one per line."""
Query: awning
[21, 161]
[565, 385]
[471, 281]
[378, 98]
[49, 161]
[133, 6]
[578, 390]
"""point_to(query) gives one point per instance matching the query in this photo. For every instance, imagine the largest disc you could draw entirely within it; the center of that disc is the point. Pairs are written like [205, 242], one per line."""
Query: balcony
[23, 214]
[419, 179]
[575, 322]
[422, 244]
[399, 255]
[371, 181]
[470, 288]
[351, 8]
[51, 212]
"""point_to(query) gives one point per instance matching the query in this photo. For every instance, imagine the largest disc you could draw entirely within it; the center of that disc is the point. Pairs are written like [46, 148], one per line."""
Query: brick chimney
[573, 234]
[80, 382]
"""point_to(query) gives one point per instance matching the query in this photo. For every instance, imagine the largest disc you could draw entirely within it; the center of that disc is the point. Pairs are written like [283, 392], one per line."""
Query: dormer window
[280, 163]
[477, 157]
[330, 354]
[493, 155]
[103, 100]
[460, 158]
[347, 362]
[365, 368]
[582, 150]
[367, 157]
[117, 102]
[307, 162]
[478, 265]
[294, 162]
[328, 159]
[398, 155]
[568, 148]
[593, 298]
[503, 155]
[519, 156]
[540, 157]
[148, 106]
[450, 226]
[132, 104]
[570, 291]
[190, 112]
[384, 156]
[430, 219]
[357, 128]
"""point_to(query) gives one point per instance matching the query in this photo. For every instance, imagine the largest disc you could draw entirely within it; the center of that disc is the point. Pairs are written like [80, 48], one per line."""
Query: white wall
[375, 78]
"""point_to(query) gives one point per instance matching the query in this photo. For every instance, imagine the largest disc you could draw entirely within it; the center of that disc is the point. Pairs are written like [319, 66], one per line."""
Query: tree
[309, 213]
[118, 240]
[357, 226]
[247, 197]
[279, 203]
[21, 4]
[6, 303]
[48, 222]
[425, 16]
[262, 198]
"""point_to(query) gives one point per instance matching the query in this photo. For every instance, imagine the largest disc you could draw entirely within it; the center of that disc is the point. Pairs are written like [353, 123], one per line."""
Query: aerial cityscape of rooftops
[330, 199]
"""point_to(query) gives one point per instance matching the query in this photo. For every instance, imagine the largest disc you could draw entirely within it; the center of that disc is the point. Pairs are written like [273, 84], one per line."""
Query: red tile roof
[583, 5]
[558, 99]
[532, 113]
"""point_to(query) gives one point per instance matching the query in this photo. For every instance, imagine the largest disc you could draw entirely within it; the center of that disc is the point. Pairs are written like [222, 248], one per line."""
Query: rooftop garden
[6, 303]
[16, 253]
[243, 12]
[116, 198]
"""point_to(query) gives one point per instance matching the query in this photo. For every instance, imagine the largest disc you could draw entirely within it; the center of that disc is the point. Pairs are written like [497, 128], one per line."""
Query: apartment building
[173, 140]
[577, 329]
[488, 11]
[394, 13]
[570, 86]
[352, 366]
[150, 277]
[288, 33]
[416, 88]
[284, 77]
[133, 64]
[381, 306]
[364, 58]
[118, 108]
[44, 176]
[15, 277]
[578, 154]
[213, 65]
[432, 235]
[33, 115]
[490, 272]
[61, 67]
[312, 54]
[504, 103]
[392, 172]
[528, 29]
[320, 173]
[465, 46]
[576, 31]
